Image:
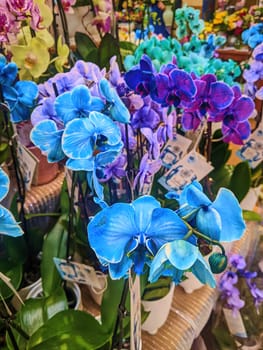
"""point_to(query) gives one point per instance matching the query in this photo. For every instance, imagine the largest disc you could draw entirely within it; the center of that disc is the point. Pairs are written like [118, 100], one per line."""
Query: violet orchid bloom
[153, 144]
[235, 125]
[173, 87]
[114, 170]
[148, 116]
[141, 77]
[147, 169]
[211, 96]
[254, 73]
[20, 8]
[45, 111]
[257, 53]
[166, 127]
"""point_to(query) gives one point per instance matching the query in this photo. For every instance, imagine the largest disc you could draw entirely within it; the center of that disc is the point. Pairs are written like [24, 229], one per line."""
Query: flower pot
[46, 172]
[159, 311]
[73, 294]
[97, 293]
[23, 293]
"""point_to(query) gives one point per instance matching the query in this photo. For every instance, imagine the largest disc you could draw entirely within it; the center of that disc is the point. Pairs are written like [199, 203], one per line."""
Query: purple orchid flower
[173, 87]
[116, 169]
[147, 169]
[235, 125]
[154, 146]
[257, 53]
[211, 96]
[45, 111]
[148, 116]
[254, 73]
[166, 127]
[8, 24]
[141, 77]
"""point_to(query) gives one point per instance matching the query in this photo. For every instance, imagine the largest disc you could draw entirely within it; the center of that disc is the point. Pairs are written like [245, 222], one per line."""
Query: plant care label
[28, 164]
[174, 150]
[252, 150]
[76, 272]
[135, 313]
[235, 323]
[191, 167]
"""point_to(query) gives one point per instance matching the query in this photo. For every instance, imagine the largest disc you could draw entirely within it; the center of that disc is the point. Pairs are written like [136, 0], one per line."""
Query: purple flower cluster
[13, 12]
[196, 98]
[229, 281]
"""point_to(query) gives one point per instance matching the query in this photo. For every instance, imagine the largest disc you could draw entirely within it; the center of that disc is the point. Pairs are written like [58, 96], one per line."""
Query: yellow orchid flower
[46, 13]
[32, 59]
[62, 59]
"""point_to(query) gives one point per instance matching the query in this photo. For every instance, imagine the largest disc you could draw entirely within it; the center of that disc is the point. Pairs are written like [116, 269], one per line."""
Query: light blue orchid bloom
[117, 108]
[77, 103]
[174, 258]
[84, 137]
[20, 98]
[220, 220]
[8, 224]
[47, 137]
[128, 235]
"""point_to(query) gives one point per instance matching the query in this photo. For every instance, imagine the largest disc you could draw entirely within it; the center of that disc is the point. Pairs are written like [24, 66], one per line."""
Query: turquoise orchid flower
[77, 103]
[21, 98]
[220, 220]
[126, 236]
[117, 108]
[174, 258]
[8, 224]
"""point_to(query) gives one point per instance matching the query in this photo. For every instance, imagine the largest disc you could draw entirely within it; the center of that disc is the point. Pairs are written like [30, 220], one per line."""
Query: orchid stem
[201, 235]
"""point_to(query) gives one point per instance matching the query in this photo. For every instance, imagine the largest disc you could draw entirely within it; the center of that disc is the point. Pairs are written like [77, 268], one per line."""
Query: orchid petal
[4, 184]
[221, 95]
[143, 207]
[107, 234]
[8, 224]
[181, 254]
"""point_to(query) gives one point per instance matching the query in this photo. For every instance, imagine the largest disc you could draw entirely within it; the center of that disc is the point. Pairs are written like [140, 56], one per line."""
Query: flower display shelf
[237, 55]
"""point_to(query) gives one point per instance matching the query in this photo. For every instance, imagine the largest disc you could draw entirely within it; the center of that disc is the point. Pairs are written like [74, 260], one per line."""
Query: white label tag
[192, 167]
[252, 150]
[76, 272]
[174, 150]
[28, 164]
[235, 323]
[135, 317]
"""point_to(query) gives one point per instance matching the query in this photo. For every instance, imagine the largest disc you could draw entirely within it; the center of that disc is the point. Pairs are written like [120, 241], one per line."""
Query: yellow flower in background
[209, 28]
[46, 13]
[62, 59]
[219, 17]
[32, 59]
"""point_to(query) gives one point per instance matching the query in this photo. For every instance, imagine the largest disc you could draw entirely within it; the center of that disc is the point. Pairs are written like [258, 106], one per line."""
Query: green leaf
[54, 246]
[14, 272]
[85, 45]
[220, 155]
[70, 330]
[127, 48]
[15, 249]
[240, 180]
[108, 48]
[250, 215]
[64, 198]
[110, 302]
[221, 177]
[36, 312]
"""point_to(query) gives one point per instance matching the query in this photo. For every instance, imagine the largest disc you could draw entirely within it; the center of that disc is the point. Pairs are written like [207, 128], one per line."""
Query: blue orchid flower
[253, 36]
[85, 137]
[20, 98]
[174, 258]
[8, 224]
[77, 103]
[141, 78]
[8, 71]
[147, 227]
[214, 219]
[47, 137]
[117, 108]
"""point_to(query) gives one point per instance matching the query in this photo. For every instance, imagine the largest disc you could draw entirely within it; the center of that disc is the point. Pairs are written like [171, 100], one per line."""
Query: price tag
[252, 150]
[28, 164]
[135, 317]
[192, 167]
[174, 150]
[76, 272]
[235, 323]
